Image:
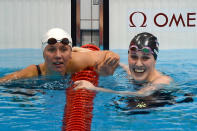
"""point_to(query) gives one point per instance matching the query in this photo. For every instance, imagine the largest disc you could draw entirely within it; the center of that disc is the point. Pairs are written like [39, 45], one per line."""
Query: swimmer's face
[141, 65]
[57, 56]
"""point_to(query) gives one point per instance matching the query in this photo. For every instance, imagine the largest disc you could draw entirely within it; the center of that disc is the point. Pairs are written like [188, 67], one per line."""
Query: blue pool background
[27, 106]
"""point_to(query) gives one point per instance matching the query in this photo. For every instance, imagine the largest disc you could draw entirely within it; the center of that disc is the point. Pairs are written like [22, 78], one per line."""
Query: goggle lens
[52, 41]
[65, 41]
[134, 49]
[145, 50]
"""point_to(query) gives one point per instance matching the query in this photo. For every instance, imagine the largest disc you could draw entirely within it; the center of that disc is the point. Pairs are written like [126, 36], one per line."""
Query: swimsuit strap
[38, 69]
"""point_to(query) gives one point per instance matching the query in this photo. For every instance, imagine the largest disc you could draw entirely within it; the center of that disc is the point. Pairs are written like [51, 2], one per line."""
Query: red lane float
[79, 103]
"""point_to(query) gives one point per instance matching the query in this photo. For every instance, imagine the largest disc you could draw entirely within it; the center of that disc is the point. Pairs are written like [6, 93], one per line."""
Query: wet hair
[146, 40]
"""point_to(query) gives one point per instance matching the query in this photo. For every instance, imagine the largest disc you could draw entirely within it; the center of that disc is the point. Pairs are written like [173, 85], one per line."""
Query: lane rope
[79, 103]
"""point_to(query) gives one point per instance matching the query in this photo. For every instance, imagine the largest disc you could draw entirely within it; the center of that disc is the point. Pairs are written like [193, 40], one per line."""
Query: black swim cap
[146, 40]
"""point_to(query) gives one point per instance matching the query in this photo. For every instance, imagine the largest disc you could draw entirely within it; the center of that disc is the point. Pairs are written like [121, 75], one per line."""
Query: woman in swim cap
[61, 60]
[142, 56]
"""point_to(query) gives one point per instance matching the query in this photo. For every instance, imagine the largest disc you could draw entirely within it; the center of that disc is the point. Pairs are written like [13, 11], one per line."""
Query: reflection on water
[34, 103]
[43, 82]
[144, 105]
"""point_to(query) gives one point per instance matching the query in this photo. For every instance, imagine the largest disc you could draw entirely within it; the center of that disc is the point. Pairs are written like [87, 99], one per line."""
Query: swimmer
[142, 56]
[59, 59]
[149, 84]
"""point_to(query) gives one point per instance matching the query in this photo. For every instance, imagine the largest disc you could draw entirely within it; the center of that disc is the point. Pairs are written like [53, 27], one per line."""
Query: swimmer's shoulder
[32, 71]
[163, 79]
[29, 71]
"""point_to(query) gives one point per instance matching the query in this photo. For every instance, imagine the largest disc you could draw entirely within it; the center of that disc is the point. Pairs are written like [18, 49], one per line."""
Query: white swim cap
[56, 33]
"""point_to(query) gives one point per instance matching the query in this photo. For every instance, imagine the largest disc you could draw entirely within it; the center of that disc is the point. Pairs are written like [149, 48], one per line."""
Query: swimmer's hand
[108, 66]
[83, 84]
[79, 49]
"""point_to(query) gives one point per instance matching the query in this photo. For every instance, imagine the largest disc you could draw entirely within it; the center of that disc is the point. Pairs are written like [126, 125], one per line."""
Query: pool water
[38, 103]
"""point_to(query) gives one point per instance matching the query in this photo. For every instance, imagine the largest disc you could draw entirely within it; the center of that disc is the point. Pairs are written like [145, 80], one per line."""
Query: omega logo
[167, 21]
[144, 21]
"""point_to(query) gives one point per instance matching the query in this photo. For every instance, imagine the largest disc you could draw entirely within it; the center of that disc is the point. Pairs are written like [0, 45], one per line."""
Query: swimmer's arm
[146, 91]
[83, 84]
[28, 72]
[79, 49]
[105, 62]
[125, 67]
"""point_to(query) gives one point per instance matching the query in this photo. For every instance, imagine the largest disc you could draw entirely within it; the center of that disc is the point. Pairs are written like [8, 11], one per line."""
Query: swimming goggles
[52, 41]
[146, 50]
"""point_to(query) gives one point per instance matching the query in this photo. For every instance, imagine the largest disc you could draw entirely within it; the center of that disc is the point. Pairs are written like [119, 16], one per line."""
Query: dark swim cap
[146, 40]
